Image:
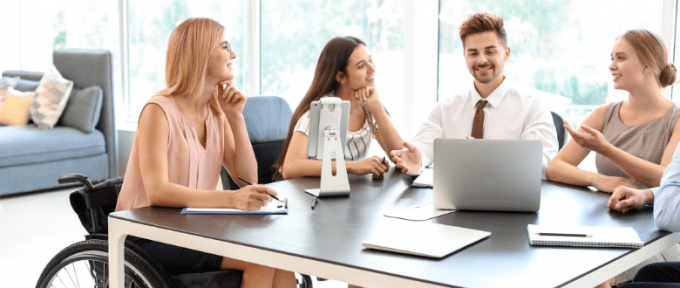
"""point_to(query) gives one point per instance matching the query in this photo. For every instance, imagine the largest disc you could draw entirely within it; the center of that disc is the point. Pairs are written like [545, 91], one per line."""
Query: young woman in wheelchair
[186, 133]
[345, 70]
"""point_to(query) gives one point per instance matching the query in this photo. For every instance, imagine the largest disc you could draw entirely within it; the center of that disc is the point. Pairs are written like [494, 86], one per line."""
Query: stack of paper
[420, 212]
[425, 179]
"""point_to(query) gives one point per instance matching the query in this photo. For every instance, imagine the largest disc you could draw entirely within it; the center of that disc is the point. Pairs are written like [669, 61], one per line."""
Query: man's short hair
[482, 22]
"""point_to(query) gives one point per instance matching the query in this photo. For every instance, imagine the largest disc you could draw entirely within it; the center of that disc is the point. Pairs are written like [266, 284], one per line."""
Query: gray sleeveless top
[647, 141]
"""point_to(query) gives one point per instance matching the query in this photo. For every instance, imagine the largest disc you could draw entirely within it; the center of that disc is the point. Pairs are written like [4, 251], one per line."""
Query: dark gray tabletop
[333, 232]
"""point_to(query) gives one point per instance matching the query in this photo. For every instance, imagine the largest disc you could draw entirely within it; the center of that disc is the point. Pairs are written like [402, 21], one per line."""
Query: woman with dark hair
[344, 70]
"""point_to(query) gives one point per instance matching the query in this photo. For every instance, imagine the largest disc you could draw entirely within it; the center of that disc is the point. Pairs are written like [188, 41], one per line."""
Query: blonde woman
[185, 134]
[634, 139]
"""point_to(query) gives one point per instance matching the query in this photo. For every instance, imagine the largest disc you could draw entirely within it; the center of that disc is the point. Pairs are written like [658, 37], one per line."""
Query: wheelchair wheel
[303, 281]
[86, 264]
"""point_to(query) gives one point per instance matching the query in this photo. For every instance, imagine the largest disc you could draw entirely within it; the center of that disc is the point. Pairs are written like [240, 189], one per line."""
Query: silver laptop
[492, 175]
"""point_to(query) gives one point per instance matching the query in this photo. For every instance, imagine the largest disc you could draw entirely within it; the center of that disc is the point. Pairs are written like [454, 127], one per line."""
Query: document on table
[425, 179]
[274, 207]
[423, 239]
[420, 212]
[554, 235]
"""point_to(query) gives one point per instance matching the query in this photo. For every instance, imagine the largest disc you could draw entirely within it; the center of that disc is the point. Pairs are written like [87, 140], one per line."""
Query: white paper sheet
[420, 212]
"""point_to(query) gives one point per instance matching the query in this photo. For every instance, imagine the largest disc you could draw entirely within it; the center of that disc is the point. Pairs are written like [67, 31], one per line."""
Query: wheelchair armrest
[105, 193]
[99, 197]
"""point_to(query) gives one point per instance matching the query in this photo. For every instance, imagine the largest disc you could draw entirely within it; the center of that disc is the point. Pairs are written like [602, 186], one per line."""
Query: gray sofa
[32, 159]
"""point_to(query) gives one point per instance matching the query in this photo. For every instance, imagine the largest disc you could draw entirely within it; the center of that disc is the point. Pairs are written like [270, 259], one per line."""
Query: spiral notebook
[582, 236]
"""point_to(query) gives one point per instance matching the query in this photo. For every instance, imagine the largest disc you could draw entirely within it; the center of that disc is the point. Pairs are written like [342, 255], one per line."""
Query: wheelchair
[85, 263]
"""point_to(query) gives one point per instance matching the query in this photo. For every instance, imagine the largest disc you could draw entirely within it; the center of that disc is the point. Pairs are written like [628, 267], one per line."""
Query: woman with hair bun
[634, 139]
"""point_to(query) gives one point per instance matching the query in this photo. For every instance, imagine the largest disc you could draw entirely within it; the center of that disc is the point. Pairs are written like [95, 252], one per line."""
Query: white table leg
[116, 254]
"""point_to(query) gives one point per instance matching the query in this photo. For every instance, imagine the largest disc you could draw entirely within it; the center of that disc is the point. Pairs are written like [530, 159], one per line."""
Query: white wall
[125, 139]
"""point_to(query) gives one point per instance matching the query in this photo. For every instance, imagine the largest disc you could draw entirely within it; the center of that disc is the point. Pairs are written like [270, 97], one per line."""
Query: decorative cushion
[6, 83]
[27, 85]
[83, 109]
[14, 111]
[50, 99]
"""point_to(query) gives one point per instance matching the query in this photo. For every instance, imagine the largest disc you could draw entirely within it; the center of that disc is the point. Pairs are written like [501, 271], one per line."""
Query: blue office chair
[559, 127]
[267, 119]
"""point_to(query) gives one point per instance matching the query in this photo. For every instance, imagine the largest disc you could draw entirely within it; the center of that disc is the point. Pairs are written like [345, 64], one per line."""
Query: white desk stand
[332, 185]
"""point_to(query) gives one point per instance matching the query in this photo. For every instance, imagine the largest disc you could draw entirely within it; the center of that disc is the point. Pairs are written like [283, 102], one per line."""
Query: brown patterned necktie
[478, 121]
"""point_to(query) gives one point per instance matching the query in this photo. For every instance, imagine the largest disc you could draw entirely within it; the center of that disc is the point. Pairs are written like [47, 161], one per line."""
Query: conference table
[326, 242]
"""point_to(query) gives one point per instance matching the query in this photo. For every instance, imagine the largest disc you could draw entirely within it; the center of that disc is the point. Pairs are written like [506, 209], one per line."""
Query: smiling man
[491, 109]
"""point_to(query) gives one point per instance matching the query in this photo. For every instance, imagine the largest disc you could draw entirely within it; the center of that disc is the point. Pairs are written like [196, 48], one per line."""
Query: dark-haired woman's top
[358, 142]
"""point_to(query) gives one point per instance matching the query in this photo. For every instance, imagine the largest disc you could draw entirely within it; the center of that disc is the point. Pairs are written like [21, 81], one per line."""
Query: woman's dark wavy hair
[334, 58]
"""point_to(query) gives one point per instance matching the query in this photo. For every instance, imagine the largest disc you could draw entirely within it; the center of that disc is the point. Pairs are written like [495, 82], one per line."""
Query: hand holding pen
[376, 166]
[253, 197]
[387, 168]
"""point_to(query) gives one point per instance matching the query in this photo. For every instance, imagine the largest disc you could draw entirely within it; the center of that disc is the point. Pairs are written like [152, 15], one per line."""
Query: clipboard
[279, 208]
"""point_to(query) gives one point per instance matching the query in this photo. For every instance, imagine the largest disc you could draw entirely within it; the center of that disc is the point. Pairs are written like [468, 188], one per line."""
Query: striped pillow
[50, 99]
[5, 84]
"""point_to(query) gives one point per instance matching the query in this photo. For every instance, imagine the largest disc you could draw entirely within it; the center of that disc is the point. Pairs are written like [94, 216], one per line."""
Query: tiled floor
[35, 227]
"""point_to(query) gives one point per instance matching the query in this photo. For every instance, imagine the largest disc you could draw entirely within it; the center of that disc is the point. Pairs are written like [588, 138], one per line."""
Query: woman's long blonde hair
[189, 49]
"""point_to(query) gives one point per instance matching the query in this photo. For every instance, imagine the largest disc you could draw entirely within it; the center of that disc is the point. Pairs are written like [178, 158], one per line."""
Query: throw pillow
[15, 109]
[27, 85]
[83, 109]
[6, 83]
[50, 99]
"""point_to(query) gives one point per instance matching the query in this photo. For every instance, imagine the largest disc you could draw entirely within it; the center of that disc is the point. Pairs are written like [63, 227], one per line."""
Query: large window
[560, 48]
[34, 28]
[149, 26]
[293, 33]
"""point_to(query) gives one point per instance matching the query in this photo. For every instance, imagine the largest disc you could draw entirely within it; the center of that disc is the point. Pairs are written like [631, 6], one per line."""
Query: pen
[565, 234]
[314, 203]
[248, 182]
[383, 160]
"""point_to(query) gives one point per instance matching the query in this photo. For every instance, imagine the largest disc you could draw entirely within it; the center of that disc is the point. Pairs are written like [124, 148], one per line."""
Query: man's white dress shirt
[509, 114]
[667, 197]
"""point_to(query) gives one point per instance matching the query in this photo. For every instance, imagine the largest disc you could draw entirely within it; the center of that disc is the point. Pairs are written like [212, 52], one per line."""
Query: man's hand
[408, 160]
[625, 198]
